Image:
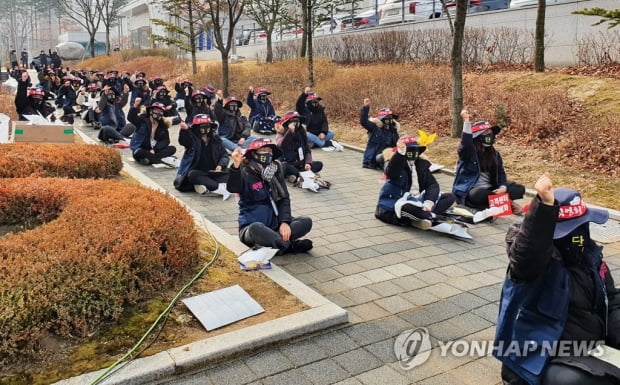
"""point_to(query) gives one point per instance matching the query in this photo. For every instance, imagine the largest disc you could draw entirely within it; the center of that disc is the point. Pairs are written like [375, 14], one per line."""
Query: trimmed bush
[18, 160]
[100, 245]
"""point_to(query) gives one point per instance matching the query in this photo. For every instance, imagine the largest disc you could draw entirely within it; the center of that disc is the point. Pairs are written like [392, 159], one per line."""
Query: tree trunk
[456, 58]
[107, 40]
[225, 73]
[539, 50]
[305, 20]
[269, 58]
[192, 37]
[92, 45]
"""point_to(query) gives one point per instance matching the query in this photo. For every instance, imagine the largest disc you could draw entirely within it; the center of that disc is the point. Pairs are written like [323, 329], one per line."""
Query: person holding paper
[293, 142]
[480, 169]
[411, 194]
[265, 218]
[559, 300]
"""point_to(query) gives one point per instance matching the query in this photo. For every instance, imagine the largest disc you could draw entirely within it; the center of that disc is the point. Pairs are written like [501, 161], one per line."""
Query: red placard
[503, 202]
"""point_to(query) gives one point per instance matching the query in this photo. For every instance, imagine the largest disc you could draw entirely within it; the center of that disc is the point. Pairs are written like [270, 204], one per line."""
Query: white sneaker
[221, 190]
[486, 213]
[337, 146]
[200, 189]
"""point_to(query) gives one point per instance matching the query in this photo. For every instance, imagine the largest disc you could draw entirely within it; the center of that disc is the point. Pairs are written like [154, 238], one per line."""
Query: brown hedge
[18, 160]
[99, 245]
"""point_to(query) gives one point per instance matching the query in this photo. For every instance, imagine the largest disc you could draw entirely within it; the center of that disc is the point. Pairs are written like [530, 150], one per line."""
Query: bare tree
[457, 67]
[539, 40]
[266, 13]
[15, 28]
[85, 13]
[109, 17]
[224, 15]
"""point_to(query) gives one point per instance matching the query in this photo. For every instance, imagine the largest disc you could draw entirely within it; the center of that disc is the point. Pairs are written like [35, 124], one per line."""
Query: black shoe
[328, 143]
[301, 246]
[145, 161]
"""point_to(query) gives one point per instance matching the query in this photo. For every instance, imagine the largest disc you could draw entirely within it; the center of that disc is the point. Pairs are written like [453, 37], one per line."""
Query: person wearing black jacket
[308, 105]
[411, 193]
[265, 218]
[382, 133]
[559, 301]
[31, 102]
[150, 142]
[205, 162]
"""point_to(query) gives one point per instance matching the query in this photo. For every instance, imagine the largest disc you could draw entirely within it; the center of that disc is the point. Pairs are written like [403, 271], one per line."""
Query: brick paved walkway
[390, 279]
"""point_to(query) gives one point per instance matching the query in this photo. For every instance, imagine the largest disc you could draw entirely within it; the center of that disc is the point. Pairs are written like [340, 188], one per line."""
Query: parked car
[366, 19]
[396, 11]
[329, 25]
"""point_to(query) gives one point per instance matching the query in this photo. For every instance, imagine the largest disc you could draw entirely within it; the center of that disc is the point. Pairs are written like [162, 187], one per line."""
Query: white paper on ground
[37, 119]
[222, 307]
[259, 256]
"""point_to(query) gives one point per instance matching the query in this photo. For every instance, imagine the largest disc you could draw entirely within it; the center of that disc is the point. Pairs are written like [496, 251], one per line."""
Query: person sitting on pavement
[182, 88]
[265, 218]
[204, 166]
[161, 95]
[558, 301]
[31, 101]
[67, 97]
[308, 105]
[88, 100]
[262, 111]
[480, 168]
[411, 194]
[140, 89]
[382, 134]
[234, 128]
[114, 126]
[198, 103]
[150, 142]
[293, 142]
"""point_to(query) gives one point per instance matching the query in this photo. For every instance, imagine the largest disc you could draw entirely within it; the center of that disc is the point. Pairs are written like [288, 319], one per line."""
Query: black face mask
[156, 116]
[111, 97]
[262, 98]
[264, 158]
[388, 122]
[198, 101]
[140, 84]
[233, 107]
[38, 102]
[412, 153]
[93, 95]
[573, 245]
[487, 140]
[161, 95]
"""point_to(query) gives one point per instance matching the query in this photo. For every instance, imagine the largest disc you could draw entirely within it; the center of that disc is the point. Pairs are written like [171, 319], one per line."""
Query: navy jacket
[254, 198]
[259, 110]
[468, 169]
[191, 157]
[141, 137]
[536, 294]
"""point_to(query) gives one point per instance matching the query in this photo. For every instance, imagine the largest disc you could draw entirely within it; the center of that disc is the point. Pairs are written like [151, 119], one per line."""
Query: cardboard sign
[501, 201]
[42, 133]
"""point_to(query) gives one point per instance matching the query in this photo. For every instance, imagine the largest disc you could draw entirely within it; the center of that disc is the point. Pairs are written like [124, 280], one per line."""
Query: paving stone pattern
[389, 278]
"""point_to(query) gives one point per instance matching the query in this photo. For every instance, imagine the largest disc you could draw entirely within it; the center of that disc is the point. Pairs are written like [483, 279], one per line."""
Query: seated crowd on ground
[557, 287]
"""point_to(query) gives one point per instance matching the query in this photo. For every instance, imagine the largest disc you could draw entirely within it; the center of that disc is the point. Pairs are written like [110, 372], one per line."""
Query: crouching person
[151, 140]
[411, 194]
[265, 218]
[558, 299]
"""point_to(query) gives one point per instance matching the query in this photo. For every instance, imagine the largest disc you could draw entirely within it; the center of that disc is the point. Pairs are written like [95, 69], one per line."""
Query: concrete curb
[321, 315]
